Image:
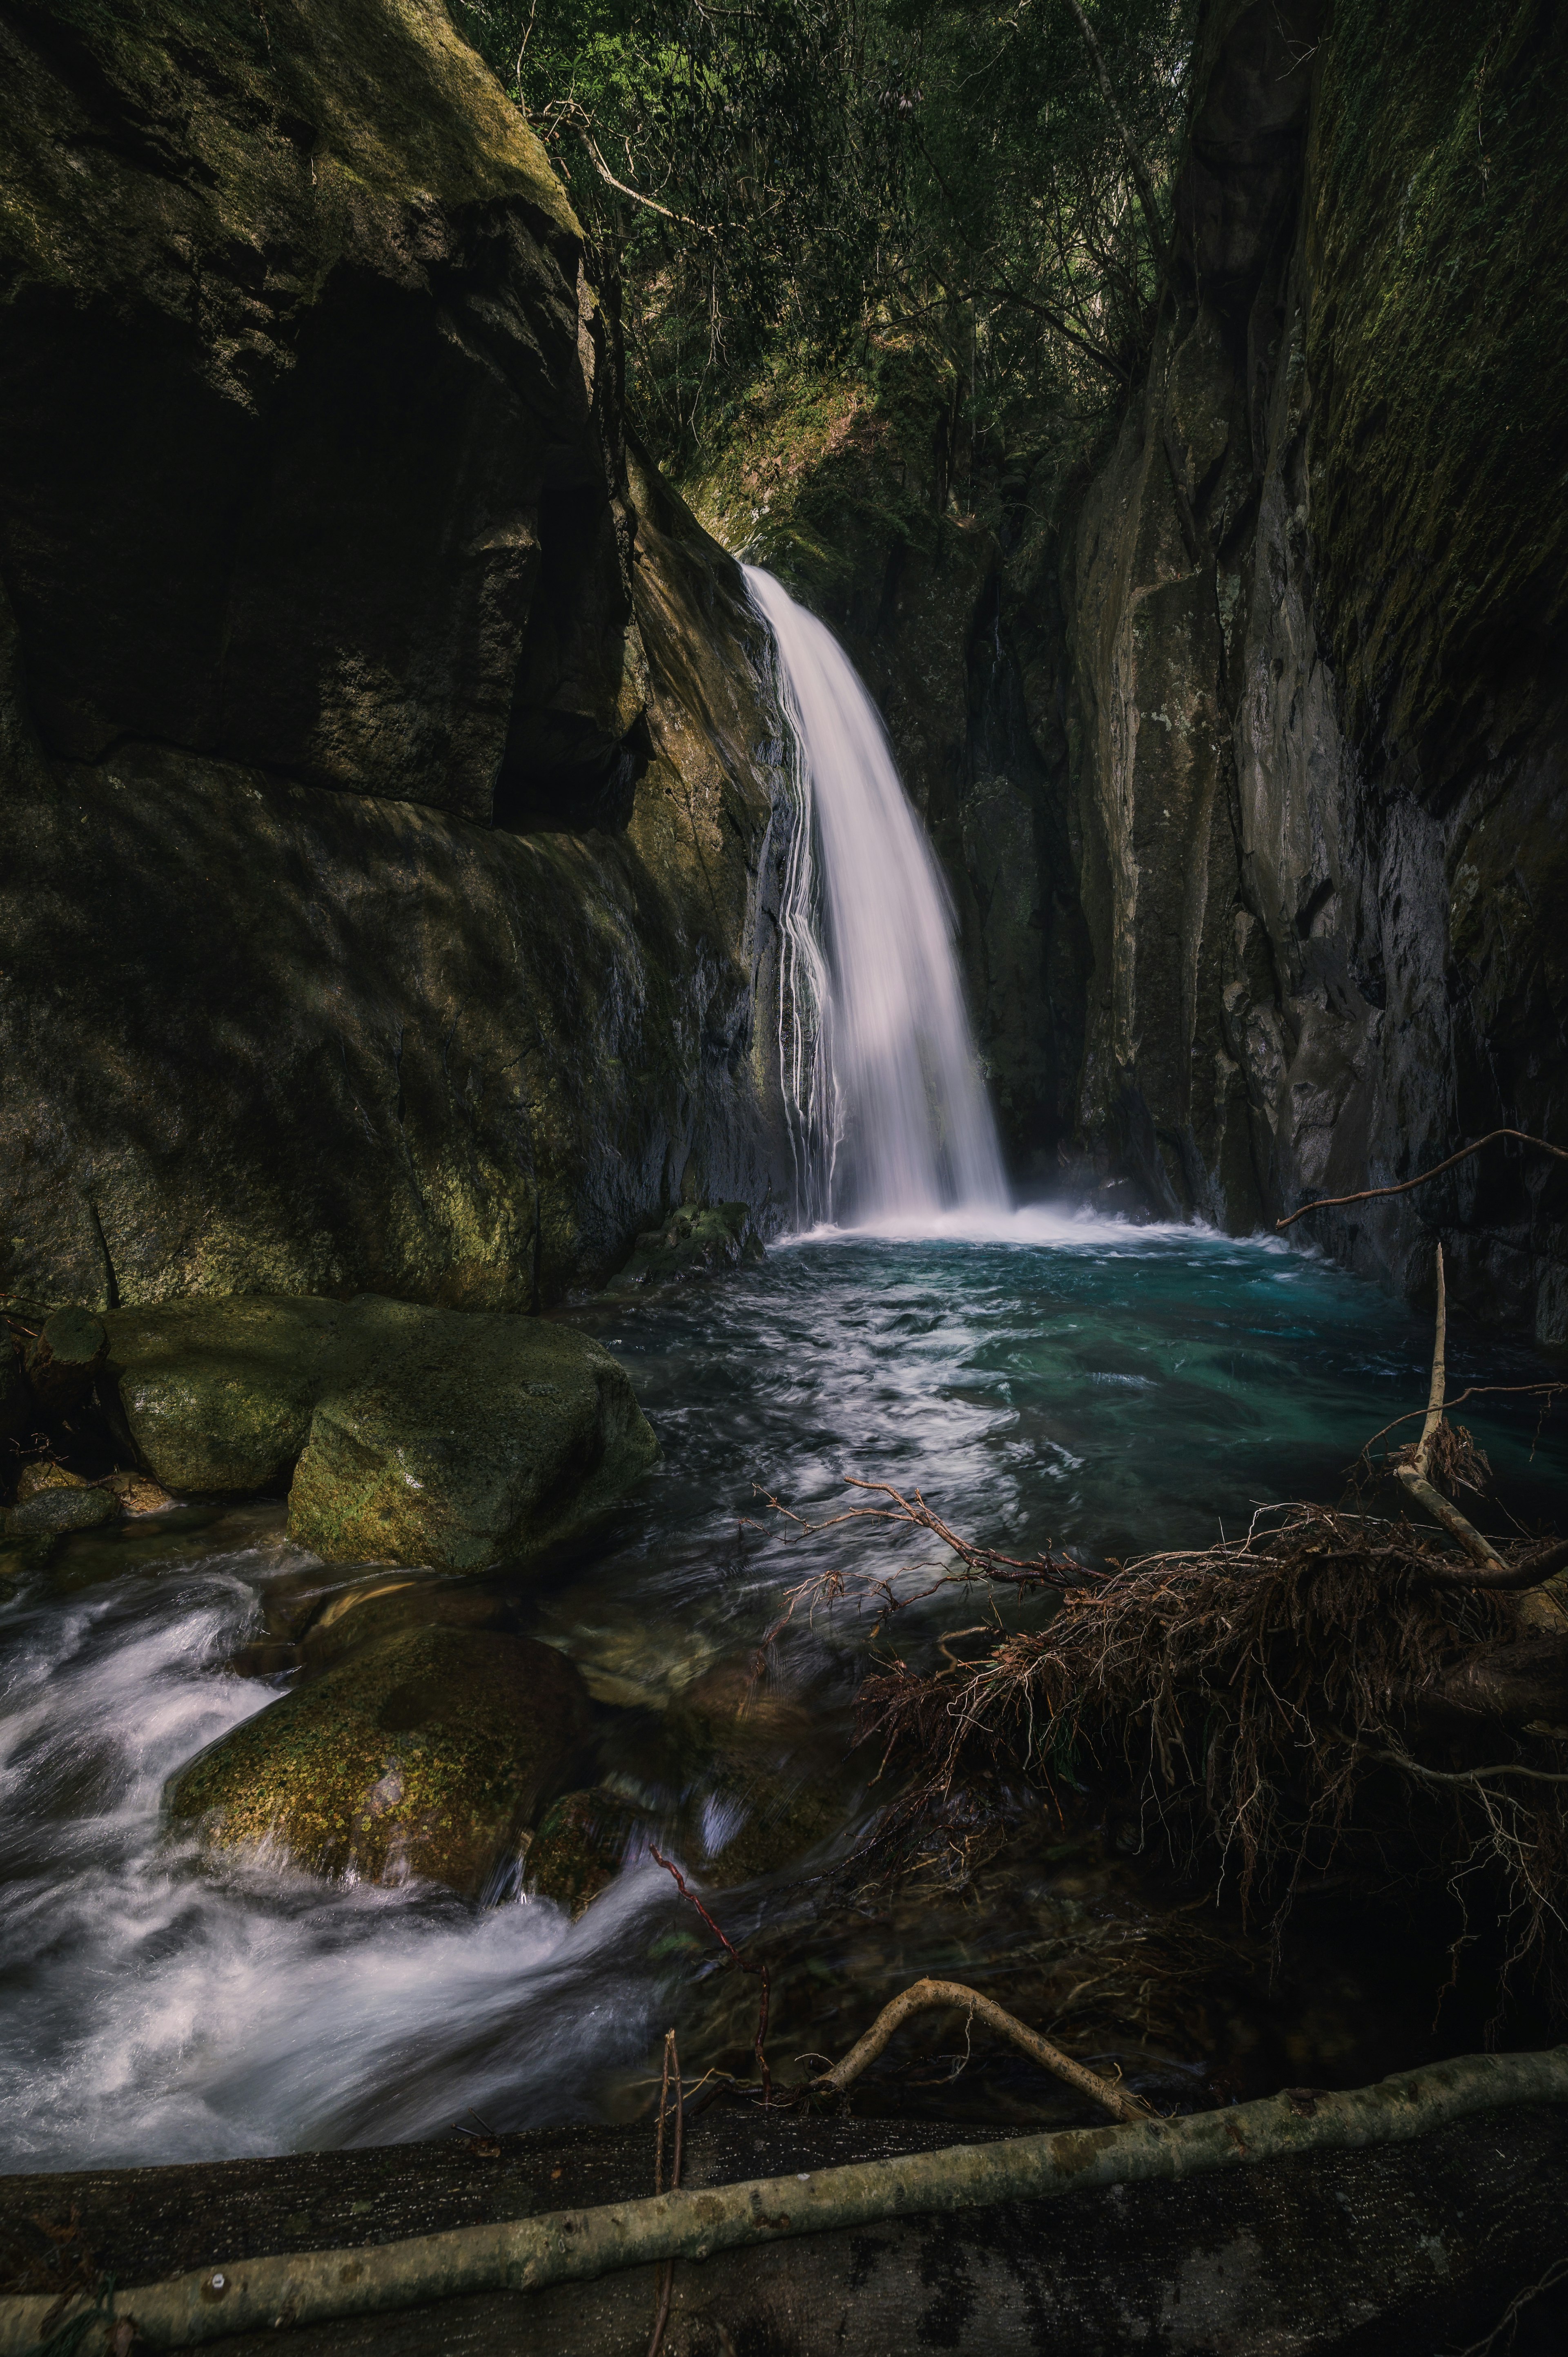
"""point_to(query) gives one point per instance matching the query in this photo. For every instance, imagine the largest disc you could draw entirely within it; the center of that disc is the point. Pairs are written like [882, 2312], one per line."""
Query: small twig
[1466, 1775]
[1521, 2299]
[1332, 1203]
[922, 1995]
[760, 1970]
[667, 2269]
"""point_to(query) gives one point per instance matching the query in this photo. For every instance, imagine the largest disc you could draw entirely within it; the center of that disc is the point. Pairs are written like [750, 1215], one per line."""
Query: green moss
[1440, 443]
[819, 473]
[425, 1754]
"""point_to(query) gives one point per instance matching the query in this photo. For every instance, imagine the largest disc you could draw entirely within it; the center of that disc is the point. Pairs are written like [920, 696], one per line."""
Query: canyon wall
[387, 768]
[1317, 618]
[1241, 734]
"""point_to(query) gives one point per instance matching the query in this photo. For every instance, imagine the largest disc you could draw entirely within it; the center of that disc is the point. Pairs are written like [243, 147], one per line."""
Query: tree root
[923, 1994]
[571, 2246]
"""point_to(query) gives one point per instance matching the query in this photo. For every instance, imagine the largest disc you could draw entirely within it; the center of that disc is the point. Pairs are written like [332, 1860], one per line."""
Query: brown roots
[1269, 1694]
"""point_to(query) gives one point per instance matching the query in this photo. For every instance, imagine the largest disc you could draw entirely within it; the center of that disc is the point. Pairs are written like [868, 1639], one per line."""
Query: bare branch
[1366, 1194]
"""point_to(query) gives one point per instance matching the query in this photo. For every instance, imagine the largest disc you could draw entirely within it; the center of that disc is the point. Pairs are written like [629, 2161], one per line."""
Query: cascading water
[887, 1109]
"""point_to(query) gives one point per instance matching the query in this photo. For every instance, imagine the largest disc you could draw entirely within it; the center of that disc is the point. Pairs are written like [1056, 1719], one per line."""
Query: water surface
[1106, 1388]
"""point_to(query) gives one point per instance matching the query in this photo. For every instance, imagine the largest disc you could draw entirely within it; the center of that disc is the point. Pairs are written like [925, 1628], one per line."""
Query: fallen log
[279, 2291]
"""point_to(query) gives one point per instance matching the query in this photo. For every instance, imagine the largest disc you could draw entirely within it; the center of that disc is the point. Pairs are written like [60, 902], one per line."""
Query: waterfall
[887, 1111]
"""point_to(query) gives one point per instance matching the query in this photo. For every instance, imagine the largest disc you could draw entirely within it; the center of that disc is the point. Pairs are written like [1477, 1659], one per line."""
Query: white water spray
[887, 1109]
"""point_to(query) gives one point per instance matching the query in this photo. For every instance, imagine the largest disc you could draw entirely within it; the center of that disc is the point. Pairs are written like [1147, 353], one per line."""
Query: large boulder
[412, 1436]
[425, 1754]
[384, 849]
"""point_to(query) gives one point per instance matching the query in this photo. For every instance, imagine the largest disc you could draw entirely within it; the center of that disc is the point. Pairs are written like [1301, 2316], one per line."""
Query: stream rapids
[1046, 1380]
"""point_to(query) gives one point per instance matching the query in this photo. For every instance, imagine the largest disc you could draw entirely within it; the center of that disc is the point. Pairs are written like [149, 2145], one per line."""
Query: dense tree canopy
[991, 177]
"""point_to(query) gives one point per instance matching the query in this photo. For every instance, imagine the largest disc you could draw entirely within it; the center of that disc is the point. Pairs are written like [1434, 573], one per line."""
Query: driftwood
[922, 1996]
[530, 2254]
[1537, 1611]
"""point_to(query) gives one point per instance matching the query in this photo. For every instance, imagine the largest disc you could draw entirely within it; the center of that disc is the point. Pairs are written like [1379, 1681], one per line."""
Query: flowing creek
[1094, 1385]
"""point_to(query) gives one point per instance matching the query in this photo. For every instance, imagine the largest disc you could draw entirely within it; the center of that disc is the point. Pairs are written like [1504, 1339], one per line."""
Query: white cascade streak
[888, 1111]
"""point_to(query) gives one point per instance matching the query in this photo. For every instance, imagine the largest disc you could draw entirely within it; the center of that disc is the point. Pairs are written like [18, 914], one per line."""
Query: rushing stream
[1096, 1385]
[1041, 1377]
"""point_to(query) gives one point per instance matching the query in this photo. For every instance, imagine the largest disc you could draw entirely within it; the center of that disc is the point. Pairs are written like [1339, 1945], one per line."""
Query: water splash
[887, 1109]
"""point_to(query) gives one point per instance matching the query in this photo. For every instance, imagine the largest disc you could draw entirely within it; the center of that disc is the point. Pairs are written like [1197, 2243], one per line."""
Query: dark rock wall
[384, 760]
[1317, 624]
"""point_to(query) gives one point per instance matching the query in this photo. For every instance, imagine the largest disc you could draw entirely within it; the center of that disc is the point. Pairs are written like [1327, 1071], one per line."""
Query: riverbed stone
[426, 1755]
[411, 1436]
[691, 1243]
[56, 1511]
[582, 1842]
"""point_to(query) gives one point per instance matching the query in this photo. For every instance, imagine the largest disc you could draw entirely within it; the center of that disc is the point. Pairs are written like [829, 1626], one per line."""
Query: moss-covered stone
[412, 1436]
[53, 1512]
[217, 1396]
[63, 1359]
[425, 1755]
[481, 1440]
[691, 1243]
[580, 1845]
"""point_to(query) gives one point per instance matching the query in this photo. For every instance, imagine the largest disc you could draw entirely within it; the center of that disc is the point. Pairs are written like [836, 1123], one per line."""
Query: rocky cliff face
[1242, 741]
[1317, 631]
[384, 754]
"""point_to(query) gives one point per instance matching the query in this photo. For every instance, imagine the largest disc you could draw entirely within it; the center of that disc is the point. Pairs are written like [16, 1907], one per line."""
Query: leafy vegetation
[803, 176]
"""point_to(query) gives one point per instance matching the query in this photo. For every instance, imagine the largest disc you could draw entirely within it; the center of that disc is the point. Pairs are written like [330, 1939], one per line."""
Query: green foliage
[802, 176]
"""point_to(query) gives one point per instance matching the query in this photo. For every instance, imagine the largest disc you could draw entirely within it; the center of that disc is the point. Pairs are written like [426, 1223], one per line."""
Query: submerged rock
[582, 1842]
[425, 1754]
[413, 1435]
[691, 1243]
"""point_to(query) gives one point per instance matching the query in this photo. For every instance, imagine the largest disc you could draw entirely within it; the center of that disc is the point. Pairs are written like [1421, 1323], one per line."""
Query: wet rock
[484, 1440]
[359, 1617]
[58, 1511]
[63, 1359]
[581, 1845]
[766, 1796]
[691, 1243]
[425, 1755]
[44, 1474]
[137, 1493]
[216, 1396]
[413, 1435]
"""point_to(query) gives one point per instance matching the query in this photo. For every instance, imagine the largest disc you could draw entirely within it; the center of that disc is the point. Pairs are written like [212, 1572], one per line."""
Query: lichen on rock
[423, 1755]
[412, 1436]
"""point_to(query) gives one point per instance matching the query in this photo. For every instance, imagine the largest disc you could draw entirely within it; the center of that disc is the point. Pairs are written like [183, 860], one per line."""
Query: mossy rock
[486, 1439]
[63, 1359]
[580, 1847]
[217, 1396]
[691, 1243]
[413, 1435]
[53, 1512]
[425, 1755]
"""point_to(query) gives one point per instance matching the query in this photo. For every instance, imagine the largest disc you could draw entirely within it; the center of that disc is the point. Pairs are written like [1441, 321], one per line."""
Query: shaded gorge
[1087, 1384]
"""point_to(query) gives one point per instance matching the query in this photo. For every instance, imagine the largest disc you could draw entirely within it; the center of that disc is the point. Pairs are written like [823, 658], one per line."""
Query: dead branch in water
[743, 1963]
